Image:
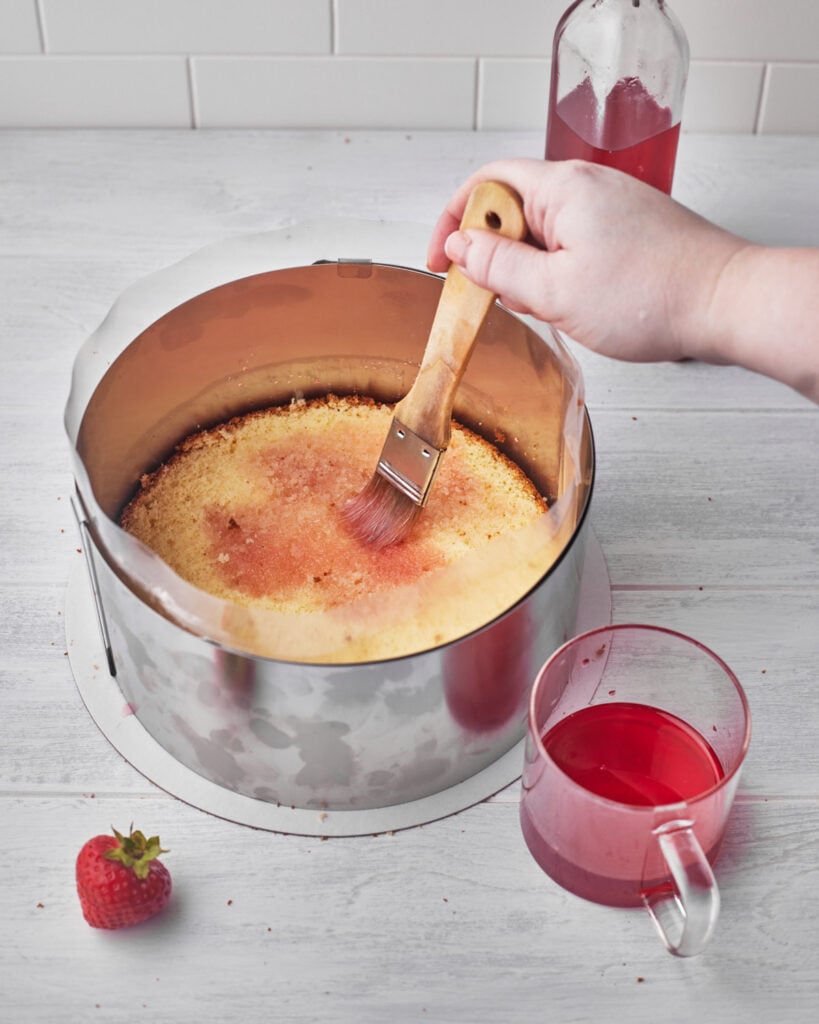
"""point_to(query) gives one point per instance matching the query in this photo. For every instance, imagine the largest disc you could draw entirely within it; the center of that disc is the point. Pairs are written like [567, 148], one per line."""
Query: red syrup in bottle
[632, 133]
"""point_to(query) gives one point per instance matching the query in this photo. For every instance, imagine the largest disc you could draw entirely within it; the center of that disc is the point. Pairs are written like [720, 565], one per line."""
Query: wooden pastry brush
[386, 509]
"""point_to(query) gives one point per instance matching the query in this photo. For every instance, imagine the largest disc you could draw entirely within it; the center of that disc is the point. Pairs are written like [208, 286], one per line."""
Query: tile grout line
[192, 95]
[478, 82]
[333, 27]
[764, 92]
[38, 7]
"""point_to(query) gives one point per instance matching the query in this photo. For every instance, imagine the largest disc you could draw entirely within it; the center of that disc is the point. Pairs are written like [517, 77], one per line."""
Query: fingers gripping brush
[385, 511]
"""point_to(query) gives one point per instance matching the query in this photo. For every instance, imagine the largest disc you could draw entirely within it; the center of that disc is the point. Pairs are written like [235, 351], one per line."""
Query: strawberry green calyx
[135, 851]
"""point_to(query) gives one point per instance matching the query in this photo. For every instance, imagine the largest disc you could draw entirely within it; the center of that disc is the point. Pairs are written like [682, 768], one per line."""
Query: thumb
[518, 273]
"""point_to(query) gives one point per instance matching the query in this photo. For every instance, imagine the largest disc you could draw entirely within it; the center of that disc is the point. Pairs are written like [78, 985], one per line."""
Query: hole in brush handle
[493, 220]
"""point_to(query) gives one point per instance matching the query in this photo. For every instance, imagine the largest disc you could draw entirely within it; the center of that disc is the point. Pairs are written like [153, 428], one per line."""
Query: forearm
[764, 315]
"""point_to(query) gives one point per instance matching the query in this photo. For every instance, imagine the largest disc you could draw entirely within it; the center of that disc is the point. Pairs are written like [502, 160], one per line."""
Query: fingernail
[456, 245]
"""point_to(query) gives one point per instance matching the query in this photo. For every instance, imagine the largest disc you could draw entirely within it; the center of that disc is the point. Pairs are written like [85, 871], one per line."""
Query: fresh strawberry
[119, 880]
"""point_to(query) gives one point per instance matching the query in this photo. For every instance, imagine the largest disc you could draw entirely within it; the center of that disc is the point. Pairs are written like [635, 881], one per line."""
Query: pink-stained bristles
[381, 515]
[385, 511]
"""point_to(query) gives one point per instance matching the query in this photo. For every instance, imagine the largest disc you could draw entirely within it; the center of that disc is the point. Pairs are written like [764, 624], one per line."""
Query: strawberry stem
[135, 851]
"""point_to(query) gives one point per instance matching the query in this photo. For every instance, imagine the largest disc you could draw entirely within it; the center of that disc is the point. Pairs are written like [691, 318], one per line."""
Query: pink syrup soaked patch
[299, 537]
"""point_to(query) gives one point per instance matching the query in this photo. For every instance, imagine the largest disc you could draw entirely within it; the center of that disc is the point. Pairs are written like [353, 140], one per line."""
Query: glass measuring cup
[635, 741]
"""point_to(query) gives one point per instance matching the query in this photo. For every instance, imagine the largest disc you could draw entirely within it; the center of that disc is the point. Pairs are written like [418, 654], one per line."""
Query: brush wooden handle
[427, 407]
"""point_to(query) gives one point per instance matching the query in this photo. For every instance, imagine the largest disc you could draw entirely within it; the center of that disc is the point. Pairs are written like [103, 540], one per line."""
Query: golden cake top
[251, 511]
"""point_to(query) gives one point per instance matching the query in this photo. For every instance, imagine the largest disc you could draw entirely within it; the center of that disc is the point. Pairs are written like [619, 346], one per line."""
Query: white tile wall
[187, 26]
[19, 27]
[521, 28]
[751, 29]
[791, 101]
[406, 64]
[513, 94]
[333, 92]
[94, 92]
[723, 96]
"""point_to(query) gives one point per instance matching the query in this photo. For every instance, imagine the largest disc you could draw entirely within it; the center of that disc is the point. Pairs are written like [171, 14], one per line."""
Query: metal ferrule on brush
[408, 462]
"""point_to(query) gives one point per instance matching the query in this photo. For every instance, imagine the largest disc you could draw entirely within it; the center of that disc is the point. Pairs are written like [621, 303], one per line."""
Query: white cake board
[108, 708]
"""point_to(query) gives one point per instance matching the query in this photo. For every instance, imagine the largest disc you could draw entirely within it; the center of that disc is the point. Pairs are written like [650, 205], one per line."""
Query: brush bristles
[381, 515]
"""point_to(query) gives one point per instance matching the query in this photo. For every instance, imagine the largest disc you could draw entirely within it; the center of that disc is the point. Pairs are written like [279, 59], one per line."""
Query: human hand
[619, 266]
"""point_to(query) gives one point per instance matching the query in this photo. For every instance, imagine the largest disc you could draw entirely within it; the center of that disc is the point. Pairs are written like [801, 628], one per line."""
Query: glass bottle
[619, 69]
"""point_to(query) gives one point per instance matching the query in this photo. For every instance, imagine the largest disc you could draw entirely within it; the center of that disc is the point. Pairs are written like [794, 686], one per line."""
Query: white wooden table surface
[707, 509]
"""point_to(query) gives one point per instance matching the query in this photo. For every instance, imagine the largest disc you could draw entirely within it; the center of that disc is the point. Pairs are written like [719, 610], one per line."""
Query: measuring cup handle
[686, 912]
